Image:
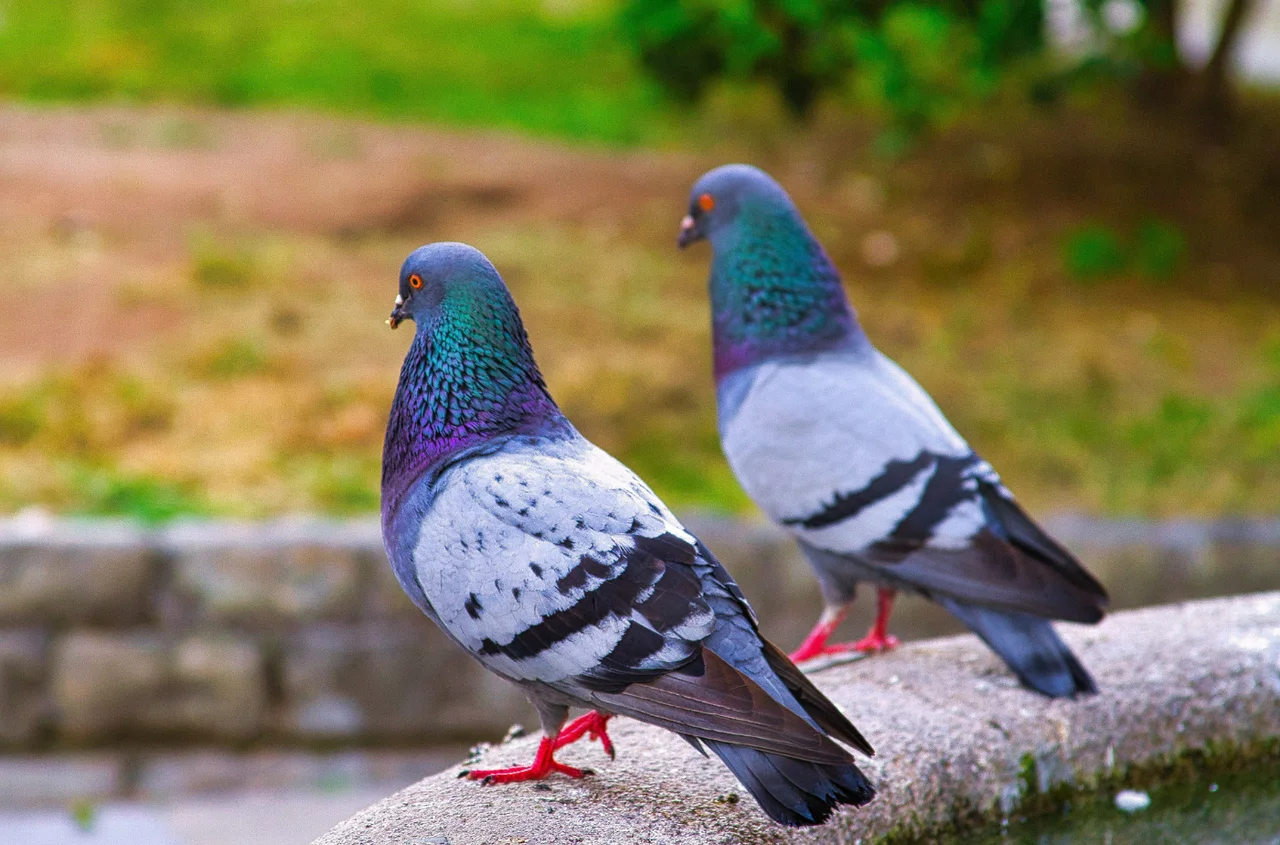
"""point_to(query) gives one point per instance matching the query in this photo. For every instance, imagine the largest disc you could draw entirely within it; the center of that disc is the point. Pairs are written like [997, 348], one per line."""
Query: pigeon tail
[795, 793]
[1030, 647]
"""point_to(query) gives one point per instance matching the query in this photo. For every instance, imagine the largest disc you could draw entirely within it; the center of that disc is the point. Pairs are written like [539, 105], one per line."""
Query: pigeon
[556, 567]
[842, 448]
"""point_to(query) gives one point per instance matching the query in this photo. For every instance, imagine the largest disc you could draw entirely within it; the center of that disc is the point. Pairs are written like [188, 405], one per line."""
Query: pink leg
[593, 725]
[878, 639]
[542, 766]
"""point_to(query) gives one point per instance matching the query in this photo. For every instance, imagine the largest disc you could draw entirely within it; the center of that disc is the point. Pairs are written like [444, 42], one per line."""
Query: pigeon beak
[688, 232]
[397, 313]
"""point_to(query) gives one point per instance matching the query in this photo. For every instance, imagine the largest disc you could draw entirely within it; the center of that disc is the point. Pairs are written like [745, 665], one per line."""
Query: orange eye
[706, 202]
[415, 281]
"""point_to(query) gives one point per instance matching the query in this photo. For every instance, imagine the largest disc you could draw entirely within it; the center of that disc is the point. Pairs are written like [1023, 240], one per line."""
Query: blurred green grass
[553, 69]
[1094, 403]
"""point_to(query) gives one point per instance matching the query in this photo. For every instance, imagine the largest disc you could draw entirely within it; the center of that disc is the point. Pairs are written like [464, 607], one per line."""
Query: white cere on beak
[687, 223]
[399, 300]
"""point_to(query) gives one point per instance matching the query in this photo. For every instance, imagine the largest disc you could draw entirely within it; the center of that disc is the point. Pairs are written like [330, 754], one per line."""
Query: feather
[711, 700]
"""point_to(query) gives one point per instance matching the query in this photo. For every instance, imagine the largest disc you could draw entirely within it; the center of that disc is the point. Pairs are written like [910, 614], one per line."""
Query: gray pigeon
[559, 570]
[837, 444]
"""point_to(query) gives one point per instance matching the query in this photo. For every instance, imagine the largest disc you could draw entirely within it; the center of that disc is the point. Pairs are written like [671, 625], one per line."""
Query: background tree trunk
[1164, 80]
[1217, 100]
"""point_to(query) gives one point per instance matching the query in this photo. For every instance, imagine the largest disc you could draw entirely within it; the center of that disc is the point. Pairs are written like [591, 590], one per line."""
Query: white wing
[845, 449]
[541, 561]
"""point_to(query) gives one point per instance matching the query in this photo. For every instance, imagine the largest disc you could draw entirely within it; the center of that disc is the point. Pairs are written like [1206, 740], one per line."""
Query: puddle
[1234, 810]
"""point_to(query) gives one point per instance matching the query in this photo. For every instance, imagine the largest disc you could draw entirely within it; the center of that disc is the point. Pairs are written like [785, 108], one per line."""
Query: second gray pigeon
[560, 571]
[842, 448]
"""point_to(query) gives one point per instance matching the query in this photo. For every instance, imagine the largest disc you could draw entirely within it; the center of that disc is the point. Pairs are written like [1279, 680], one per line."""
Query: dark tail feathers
[1030, 646]
[794, 792]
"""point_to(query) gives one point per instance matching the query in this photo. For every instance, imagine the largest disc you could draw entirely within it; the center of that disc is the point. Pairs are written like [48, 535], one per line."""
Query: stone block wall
[290, 632]
[295, 633]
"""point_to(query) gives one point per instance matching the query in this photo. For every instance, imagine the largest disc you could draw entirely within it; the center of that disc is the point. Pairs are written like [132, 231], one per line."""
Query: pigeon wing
[876, 474]
[555, 565]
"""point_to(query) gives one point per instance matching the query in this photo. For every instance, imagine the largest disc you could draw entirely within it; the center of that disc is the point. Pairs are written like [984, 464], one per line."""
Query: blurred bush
[912, 59]
[1159, 249]
[1095, 251]
[1092, 252]
[917, 61]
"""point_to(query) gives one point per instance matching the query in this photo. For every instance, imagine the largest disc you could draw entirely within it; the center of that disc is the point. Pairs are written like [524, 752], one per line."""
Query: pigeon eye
[415, 281]
[706, 202]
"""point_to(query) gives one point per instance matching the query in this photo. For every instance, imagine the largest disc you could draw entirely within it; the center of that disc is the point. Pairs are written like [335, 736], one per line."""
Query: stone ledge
[955, 738]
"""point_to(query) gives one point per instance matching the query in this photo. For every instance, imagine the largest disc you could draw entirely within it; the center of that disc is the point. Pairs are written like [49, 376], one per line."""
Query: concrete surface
[955, 738]
[257, 819]
[53, 782]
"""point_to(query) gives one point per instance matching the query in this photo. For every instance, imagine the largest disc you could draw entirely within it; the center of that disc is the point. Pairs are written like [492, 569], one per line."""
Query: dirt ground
[197, 298]
[93, 201]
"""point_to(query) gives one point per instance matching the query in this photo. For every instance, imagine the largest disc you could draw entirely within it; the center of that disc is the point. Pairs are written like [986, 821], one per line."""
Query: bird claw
[806, 655]
[870, 644]
[543, 765]
[516, 774]
[874, 642]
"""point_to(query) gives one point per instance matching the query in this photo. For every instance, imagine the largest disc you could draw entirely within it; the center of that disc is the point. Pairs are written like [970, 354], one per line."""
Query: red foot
[542, 766]
[814, 645]
[801, 655]
[593, 725]
[874, 641]
[877, 639]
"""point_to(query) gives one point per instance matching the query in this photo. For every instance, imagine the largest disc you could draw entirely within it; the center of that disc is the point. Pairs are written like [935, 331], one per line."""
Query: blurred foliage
[80, 419]
[1137, 456]
[1159, 249]
[1091, 252]
[231, 358]
[108, 492]
[566, 68]
[345, 483]
[1095, 251]
[217, 265]
[916, 61]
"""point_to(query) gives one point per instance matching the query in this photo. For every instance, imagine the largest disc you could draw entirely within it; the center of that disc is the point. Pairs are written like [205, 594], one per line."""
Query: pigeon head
[438, 271]
[469, 375]
[722, 195]
[774, 291]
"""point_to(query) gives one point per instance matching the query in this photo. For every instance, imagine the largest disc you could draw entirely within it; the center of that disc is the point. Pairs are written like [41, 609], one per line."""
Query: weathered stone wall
[291, 631]
[294, 632]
